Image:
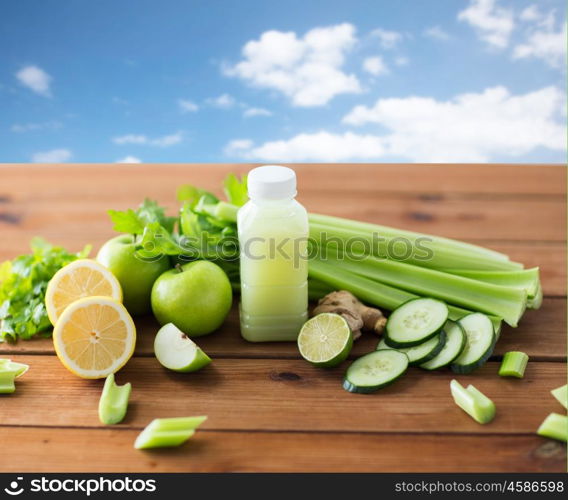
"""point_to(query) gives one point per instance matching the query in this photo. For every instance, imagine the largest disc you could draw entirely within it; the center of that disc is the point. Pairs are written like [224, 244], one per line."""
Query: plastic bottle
[273, 234]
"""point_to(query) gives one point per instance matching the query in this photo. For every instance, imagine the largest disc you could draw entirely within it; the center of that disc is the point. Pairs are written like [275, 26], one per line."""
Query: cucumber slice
[455, 343]
[420, 353]
[415, 321]
[375, 370]
[480, 342]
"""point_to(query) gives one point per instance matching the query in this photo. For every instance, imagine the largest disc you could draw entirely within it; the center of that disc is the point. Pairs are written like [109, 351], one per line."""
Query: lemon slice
[94, 337]
[80, 278]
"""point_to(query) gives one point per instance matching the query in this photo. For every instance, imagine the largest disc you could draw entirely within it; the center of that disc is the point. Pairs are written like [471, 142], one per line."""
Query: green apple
[196, 297]
[136, 276]
[176, 351]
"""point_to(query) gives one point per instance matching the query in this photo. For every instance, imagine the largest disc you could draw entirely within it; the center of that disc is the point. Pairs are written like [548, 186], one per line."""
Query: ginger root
[358, 315]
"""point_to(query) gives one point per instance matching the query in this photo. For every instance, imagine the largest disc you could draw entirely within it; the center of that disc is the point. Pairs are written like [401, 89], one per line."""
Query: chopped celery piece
[554, 426]
[168, 432]
[7, 385]
[506, 302]
[374, 292]
[514, 364]
[7, 365]
[9, 372]
[561, 395]
[114, 401]
[476, 404]
[527, 279]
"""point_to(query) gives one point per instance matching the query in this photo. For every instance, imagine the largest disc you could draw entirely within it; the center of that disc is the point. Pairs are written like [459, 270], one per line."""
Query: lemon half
[80, 278]
[94, 337]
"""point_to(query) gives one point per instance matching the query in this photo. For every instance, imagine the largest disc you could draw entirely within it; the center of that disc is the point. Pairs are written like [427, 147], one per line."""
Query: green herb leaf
[134, 221]
[23, 282]
[158, 241]
[235, 190]
[191, 194]
[126, 222]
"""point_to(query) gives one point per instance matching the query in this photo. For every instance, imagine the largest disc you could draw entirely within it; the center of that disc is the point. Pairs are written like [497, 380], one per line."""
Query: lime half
[325, 340]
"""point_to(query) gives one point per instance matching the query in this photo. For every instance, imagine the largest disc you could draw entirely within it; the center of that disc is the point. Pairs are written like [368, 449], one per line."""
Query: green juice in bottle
[273, 234]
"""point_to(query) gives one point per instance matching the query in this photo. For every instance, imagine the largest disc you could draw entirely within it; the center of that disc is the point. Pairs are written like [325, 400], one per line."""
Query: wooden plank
[73, 209]
[513, 179]
[283, 395]
[110, 450]
[542, 334]
[498, 219]
[84, 212]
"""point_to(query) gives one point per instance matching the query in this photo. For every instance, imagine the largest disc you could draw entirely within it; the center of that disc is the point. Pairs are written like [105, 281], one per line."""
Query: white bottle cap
[271, 182]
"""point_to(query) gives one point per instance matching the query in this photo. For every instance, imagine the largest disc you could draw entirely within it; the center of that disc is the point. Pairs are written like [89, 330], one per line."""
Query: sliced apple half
[177, 352]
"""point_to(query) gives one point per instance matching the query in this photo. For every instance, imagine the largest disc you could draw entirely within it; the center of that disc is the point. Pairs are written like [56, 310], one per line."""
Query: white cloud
[256, 112]
[161, 142]
[30, 127]
[224, 101]
[238, 147]
[401, 61]
[387, 39]
[36, 79]
[470, 127]
[542, 41]
[437, 33]
[307, 70]
[130, 139]
[493, 24]
[167, 140]
[530, 13]
[319, 146]
[52, 156]
[375, 65]
[187, 106]
[129, 159]
[475, 127]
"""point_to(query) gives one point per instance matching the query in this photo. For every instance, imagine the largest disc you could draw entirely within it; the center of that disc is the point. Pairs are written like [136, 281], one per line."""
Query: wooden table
[268, 409]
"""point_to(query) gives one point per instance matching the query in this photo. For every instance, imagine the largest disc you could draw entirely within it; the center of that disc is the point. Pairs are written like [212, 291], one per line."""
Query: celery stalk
[168, 432]
[114, 401]
[222, 210]
[228, 212]
[554, 426]
[318, 289]
[425, 253]
[561, 395]
[505, 302]
[536, 301]
[476, 404]
[392, 233]
[527, 279]
[514, 364]
[373, 292]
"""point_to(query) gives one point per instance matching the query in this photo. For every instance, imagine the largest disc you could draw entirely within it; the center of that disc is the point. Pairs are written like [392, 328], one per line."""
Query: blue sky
[218, 81]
